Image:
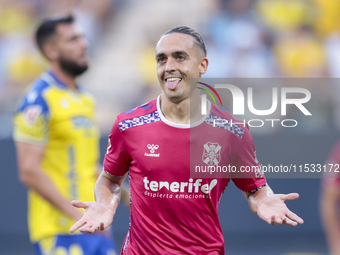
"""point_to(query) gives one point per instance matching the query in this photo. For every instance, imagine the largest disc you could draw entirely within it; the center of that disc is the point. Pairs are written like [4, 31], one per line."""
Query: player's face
[71, 47]
[178, 60]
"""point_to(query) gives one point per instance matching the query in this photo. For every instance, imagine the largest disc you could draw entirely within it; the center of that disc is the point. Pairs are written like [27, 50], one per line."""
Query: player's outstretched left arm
[271, 207]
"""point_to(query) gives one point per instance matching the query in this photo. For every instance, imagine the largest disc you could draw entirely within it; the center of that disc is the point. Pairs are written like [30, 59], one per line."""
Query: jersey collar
[176, 125]
[57, 81]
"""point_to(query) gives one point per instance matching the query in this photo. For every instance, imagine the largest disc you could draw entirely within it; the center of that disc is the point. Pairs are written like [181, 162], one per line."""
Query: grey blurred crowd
[244, 38]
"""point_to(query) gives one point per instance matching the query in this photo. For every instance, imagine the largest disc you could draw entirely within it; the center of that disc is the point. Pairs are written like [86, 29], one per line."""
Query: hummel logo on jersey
[152, 148]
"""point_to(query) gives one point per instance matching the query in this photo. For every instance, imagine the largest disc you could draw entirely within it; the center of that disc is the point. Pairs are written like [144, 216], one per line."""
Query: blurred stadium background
[244, 38]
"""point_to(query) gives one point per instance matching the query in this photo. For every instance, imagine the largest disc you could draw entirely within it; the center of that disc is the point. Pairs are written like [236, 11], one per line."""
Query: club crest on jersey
[211, 153]
[64, 103]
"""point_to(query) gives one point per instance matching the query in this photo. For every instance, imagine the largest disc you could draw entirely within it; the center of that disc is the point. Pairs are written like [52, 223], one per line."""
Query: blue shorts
[79, 244]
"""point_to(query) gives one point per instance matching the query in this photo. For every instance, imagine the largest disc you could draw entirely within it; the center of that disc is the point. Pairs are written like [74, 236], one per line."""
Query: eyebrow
[160, 55]
[176, 53]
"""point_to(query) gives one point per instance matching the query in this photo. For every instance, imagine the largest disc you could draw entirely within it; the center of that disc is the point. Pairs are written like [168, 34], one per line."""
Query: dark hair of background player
[48, 28]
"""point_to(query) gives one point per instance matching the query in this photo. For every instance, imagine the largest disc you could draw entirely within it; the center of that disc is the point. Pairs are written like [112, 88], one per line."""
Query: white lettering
[262, 112]
[151, 155]
[262, 123]
[183, 185]
[190, 185]
[145, 180]
[174, 186]
[205, 188]
[297, 101]
[164, 184]
[197, 184]
[238, 97]
[292, 120]
[204, 104]
[177, 186]
[154, 186]
[272, 120]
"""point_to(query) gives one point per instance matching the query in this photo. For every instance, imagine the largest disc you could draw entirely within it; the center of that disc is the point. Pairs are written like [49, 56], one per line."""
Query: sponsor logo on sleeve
[31, 114]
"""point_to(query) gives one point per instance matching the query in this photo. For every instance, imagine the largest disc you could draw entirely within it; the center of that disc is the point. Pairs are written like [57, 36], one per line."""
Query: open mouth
[172, 82]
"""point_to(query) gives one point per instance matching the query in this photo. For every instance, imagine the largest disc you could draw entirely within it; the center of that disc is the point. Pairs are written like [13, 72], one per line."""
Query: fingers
[290, 196]
[101, 227]
[277, 220]
[271, 220]
[89, 227]
[79, 204]
[85, 228]
[294, 217]
[281, 222]
[289, 222]
[77, 225]
[92, 228]
[293, 220]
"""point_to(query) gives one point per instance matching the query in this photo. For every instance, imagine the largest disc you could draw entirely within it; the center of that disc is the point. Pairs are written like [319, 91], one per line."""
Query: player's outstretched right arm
[99, 215]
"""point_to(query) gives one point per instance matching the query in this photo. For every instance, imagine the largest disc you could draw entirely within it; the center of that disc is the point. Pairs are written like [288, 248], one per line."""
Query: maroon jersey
[172, 211]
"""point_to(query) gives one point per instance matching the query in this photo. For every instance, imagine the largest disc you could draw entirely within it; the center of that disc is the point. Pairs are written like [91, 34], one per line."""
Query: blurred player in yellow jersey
[57, 144]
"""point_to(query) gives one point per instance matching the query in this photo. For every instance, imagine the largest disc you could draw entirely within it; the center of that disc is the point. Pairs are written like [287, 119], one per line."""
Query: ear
[203, 66]
[50, 51]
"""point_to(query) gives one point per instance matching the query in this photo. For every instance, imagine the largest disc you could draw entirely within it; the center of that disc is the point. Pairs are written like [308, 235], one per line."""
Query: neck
[64, 77]
[182, 112]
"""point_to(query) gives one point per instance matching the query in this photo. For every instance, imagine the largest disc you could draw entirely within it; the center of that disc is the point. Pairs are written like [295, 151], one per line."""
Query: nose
[84, 43]
[170, 65]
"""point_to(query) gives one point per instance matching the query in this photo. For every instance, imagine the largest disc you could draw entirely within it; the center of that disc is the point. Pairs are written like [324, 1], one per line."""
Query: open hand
[273, 209]
[97, 217]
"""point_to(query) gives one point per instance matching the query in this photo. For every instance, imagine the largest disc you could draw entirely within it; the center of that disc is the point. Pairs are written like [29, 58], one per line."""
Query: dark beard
[71, 67]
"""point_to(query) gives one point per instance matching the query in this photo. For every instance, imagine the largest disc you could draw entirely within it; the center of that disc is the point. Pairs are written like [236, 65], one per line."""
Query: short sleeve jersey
[62, 120]
[173, 212]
